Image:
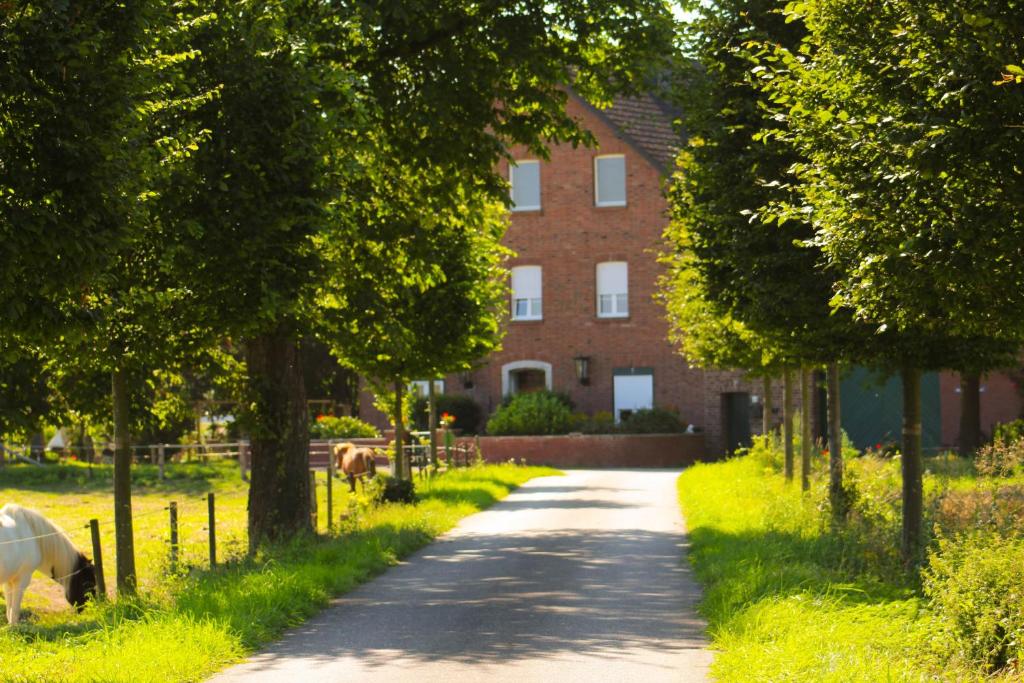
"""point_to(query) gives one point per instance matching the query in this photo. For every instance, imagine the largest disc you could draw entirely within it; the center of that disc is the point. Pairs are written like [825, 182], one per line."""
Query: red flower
[321, 418]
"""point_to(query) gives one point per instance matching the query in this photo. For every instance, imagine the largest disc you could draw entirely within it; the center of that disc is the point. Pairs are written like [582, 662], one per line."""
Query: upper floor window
[526, 293]
[524, 179]
[610, 180]
[612, 289]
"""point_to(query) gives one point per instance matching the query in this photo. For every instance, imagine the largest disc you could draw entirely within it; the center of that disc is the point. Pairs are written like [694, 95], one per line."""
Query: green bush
[652, 421]
[540, 412]
[601, 422]
[344, 427]
[976, 586]
[397, 491]
[1009, 432]
[464, 409]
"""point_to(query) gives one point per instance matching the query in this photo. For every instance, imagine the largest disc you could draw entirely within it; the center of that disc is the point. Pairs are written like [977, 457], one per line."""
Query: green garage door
[872, 406]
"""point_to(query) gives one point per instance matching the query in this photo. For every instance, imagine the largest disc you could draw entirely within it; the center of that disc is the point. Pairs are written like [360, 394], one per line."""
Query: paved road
[574, 578]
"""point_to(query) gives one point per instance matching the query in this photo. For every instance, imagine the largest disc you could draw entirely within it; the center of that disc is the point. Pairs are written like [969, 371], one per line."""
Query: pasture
[185, 626]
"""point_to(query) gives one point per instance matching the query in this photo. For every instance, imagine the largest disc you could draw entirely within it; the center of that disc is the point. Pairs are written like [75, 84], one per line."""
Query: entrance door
[631, 393]
[527, 381]
[736, 411]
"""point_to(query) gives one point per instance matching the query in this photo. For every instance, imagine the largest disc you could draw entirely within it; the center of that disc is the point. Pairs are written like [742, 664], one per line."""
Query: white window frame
[512, 183]
[620, 300]
[625, 179]
[534, 304]
[419, 387]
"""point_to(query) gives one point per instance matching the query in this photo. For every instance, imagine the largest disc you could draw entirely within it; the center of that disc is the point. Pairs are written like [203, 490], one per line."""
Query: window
[610, 180]
[420, 387]
[526, 293]
[632, 390]
[524, 178]
[612, 289]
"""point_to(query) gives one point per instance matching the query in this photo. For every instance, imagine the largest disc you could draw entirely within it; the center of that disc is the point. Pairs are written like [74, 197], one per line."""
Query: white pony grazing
[29, 541]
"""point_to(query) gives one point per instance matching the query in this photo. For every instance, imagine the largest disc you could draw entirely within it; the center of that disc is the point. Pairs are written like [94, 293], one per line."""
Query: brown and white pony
[29, 541]
[355, 461]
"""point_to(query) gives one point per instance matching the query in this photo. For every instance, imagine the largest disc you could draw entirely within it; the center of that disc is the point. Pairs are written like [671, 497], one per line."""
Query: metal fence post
[161, 457]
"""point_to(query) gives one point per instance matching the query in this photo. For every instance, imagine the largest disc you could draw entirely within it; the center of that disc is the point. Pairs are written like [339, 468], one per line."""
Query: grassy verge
[186, 627]
[787, 600]
[791, 597]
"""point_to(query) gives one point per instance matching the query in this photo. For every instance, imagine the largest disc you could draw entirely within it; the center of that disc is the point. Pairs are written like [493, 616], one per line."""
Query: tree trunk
[123, 534]
[766, 405]
[806, 440]
[432, 421]
[401, 471]
[913, 497]
[835, 446]
[279, 450]
[970, 413]
[787, 420]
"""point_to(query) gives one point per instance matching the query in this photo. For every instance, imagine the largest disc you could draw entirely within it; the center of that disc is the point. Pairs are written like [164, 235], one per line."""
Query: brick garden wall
[597, 450]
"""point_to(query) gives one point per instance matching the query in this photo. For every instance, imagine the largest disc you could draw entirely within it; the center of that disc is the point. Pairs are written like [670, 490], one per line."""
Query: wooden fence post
[243, 459]
[161, 458]
[97, 557]
[173, 507]
[312, 499]
[213, 530]
[330, 496]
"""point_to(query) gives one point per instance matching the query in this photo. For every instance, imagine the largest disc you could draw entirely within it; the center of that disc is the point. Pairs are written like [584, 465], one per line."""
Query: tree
[307, 88]
[910, 184]
[762, 273]
[434, 312]
[84, 86]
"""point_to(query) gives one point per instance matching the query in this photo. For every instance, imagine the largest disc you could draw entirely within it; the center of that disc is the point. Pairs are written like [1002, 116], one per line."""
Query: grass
[187, 626]
[785, 601]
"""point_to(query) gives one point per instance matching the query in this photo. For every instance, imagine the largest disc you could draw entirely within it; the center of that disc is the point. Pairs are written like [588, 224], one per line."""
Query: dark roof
[646, 122]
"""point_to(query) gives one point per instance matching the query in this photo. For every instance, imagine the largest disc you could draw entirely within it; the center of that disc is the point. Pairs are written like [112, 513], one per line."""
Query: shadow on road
[525, 596]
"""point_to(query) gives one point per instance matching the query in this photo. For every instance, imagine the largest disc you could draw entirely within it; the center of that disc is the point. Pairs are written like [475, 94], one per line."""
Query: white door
[633, 392]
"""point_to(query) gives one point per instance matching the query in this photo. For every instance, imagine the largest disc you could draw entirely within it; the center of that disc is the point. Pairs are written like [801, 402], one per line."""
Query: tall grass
[192, 625]
[788, 598]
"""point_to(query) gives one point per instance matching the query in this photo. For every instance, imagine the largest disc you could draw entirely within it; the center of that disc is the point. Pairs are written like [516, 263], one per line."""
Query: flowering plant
[447, 420]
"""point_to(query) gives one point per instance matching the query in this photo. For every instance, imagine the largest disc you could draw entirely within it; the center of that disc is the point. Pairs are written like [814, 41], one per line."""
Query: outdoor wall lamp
[582, 369]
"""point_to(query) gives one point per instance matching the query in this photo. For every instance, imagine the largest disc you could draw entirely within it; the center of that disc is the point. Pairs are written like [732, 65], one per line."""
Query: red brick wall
[1000, 402]
[597, 450]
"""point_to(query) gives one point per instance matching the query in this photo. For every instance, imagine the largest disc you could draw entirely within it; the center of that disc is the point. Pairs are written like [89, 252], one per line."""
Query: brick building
[586, 229]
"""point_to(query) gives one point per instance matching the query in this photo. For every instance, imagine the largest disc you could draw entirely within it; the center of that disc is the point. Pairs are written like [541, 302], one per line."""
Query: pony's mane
[54, 544]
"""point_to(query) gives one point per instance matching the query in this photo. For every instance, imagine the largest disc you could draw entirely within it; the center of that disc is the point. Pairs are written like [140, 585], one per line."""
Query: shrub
[464, 409]
[1009, 432]
[540, 412]
[1000, 458]
[652, 421]
[601, 422]
[397, 491]
[976, 586]
[330, 427]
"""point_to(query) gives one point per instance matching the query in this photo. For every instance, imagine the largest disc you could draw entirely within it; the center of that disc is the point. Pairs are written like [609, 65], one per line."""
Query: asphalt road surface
[574, 578]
